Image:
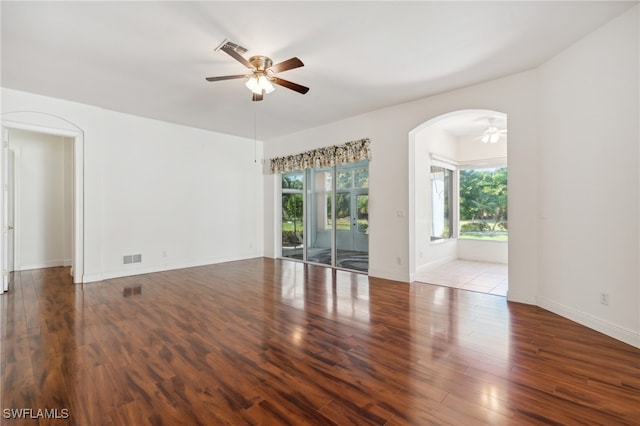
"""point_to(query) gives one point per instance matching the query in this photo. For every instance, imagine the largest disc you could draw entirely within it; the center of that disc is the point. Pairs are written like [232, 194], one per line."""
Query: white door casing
[7, 222]
[77, 268]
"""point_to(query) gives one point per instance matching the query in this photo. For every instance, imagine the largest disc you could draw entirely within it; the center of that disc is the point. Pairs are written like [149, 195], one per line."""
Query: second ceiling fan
[262, 77]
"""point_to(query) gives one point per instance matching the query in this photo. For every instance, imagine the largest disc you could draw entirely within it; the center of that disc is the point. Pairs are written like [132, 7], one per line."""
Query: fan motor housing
[261, 63]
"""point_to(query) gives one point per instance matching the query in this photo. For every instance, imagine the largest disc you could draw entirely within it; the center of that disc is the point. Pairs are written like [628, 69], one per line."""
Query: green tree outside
[292, 209]
[483, 203]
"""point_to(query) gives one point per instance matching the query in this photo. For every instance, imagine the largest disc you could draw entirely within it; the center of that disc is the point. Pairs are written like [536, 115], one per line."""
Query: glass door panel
[293, 215]
[352, 216]
[292, 226]
[319, 216]
[344, 225]
[362, 215]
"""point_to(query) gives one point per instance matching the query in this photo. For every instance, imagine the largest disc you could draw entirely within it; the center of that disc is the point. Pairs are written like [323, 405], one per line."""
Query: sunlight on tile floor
[470, 275]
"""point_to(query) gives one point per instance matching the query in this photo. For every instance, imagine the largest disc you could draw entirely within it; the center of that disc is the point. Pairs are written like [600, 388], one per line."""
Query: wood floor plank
[18, 390]
[270, 342]
[350, 415]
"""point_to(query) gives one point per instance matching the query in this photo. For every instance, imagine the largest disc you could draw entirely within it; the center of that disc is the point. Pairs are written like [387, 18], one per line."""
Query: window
[483, 203]
[441, 203]
[352, 198]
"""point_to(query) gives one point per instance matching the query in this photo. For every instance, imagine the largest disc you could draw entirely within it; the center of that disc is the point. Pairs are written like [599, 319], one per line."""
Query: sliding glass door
[334, 202]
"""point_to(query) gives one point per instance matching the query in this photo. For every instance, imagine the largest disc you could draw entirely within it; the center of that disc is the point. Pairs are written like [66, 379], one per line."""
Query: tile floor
[481, 277]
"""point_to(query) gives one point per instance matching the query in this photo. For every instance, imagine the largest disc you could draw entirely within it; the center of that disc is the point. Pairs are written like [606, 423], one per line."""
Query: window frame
[453, 197]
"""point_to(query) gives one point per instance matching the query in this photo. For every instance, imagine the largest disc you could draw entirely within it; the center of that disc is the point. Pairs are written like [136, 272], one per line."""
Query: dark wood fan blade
[289, 85]
[225, 77]
[289, 64]
[235, 55]
[257, 97]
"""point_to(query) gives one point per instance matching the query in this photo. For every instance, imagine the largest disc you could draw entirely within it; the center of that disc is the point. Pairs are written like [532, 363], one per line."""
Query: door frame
[7, 263]
[77, 258]
[309, 190]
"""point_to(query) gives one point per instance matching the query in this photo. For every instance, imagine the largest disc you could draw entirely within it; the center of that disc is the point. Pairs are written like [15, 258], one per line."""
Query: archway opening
[458, 192]
[48, 124]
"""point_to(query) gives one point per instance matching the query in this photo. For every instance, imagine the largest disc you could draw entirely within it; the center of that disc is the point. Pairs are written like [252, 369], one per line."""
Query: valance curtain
[350, 152]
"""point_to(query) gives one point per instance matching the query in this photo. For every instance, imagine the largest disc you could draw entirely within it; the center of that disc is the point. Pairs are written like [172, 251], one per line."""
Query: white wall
[43, 202]
[471, 149]
[483, 251]
[589, 180]
[156, 188]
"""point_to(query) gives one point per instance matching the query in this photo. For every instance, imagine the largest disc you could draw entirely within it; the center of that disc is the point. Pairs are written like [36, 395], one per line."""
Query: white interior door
[7, 212]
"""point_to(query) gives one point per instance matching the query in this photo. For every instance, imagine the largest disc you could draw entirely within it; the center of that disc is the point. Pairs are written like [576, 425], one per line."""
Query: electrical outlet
[604, 299]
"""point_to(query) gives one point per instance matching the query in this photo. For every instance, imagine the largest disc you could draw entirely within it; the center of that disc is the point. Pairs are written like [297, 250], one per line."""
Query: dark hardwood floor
[273, 342]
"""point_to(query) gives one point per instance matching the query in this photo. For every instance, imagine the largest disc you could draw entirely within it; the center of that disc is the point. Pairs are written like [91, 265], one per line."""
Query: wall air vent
[241, 50]
[132, 258]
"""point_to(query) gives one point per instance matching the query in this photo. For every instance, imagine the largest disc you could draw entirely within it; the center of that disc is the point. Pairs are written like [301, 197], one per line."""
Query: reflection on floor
[481, 277]
[348, 259]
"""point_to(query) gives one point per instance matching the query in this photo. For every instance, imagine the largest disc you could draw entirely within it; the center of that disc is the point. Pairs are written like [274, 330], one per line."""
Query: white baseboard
[434, 263]
[45, 264]
[140, 270]
[528, 299]
[387, 275]
[588, 320]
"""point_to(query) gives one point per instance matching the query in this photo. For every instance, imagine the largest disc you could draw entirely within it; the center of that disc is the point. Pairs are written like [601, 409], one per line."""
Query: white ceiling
[151, 58]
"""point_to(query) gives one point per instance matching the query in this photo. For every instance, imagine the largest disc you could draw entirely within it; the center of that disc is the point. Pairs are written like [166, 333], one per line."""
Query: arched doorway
[458, 215]
[44, 123]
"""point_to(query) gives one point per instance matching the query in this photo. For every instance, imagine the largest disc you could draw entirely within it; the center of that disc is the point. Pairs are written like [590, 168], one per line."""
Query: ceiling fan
[262, 76]
[491, 134]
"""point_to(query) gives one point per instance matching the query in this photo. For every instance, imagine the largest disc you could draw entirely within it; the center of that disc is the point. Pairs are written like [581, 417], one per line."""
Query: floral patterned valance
[350, 152]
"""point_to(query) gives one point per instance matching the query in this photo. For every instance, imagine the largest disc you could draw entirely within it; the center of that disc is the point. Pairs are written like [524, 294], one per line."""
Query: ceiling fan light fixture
[491, 134]
[259, 84]
[262, 77]
[252, 84]
[491, 138]
[265, 84]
